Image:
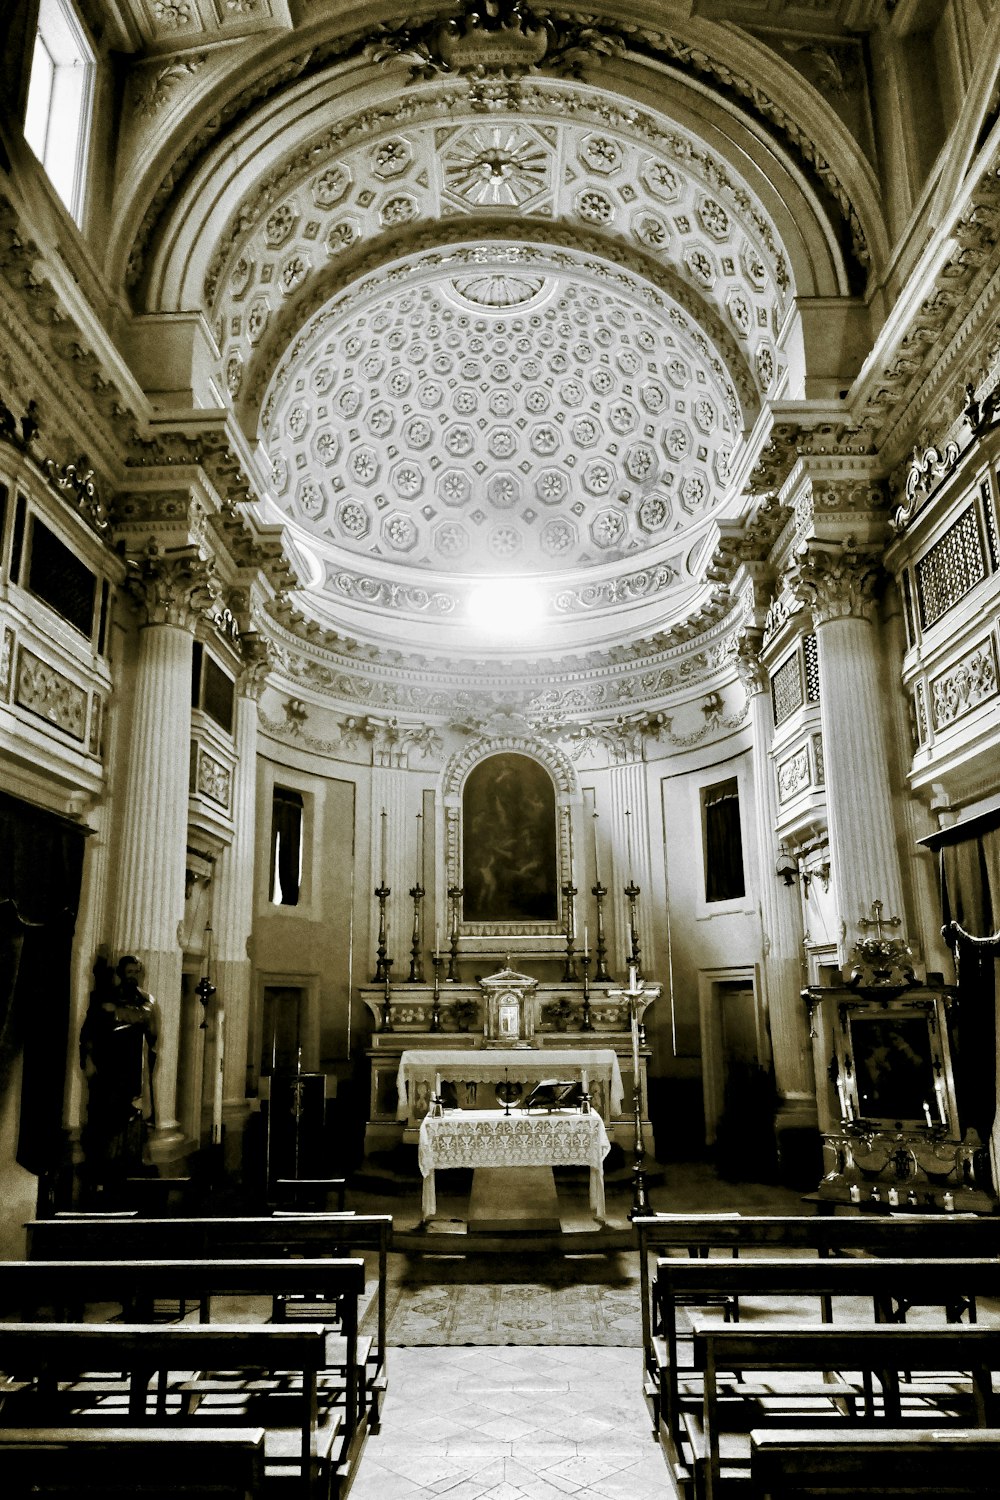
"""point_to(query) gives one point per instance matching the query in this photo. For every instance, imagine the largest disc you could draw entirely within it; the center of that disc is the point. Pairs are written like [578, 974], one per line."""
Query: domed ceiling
[483, 347]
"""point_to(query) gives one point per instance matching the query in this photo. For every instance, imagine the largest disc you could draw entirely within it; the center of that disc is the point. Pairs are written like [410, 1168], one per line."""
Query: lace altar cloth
[419, 1069]
[489, 1138]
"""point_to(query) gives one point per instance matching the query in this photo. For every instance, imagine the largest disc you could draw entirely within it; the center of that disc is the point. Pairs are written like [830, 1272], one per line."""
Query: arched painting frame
[510, 841]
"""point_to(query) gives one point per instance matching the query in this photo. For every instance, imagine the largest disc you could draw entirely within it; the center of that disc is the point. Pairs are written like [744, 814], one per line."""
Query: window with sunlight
[60, 99]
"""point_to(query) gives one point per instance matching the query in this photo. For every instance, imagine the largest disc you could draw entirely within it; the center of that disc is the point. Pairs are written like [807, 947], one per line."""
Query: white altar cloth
[490, 1138]
[491, 1065]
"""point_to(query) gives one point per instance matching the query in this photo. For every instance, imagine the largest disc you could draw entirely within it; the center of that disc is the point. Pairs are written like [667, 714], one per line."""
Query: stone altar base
[515, 1199]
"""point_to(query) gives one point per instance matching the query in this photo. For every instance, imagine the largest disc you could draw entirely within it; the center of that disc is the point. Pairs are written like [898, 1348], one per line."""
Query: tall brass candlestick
[454, 897]
[416, 975]
[382, 894]
[632, 891]
[569, 896]
[601, 974]
[387, 1000]
[437, 959]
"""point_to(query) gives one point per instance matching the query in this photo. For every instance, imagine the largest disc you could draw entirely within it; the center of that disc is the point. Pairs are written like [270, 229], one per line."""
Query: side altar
[504, 1027]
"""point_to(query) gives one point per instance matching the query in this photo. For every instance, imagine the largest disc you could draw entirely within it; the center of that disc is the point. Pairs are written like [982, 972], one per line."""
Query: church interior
[499, 733]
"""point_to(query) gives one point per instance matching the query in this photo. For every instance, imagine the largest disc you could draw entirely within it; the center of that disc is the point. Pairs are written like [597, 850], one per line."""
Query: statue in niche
[509, 842]
[118, 1055]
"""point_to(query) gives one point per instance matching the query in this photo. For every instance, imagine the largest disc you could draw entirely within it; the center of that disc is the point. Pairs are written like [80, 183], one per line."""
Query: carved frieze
[794, 774]
[50, 694]
[7, 642]
[212, 779]
[965, 686]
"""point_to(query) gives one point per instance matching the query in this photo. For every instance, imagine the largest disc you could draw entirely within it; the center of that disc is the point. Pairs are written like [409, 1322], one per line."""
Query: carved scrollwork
[927, 470]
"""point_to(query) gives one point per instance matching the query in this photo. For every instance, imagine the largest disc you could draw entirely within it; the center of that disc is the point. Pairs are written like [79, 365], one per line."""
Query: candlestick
[437, 960]
[454, 896]
[416, 957]
[601, 973]
[597, 859]
[387, 999]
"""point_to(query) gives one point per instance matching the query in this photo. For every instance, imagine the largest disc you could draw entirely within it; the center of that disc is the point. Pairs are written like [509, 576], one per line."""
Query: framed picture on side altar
[895, 1065]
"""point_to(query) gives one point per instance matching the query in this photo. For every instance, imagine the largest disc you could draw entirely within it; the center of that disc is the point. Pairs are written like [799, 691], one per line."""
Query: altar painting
[509, 842]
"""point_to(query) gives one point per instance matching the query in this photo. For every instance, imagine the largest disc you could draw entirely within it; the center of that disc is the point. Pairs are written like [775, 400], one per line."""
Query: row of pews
[121, 1372]
[818, 1395]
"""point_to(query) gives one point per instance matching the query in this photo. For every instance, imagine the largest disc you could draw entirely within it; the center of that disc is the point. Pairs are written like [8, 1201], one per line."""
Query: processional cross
[638, 995]
[877, 920]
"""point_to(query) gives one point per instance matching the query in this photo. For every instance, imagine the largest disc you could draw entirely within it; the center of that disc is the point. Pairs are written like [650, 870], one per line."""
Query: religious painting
[509, 870]
[898, 1070]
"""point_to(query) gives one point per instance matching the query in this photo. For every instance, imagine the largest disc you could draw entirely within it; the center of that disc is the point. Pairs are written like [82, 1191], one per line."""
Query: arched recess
[237, 125]
[454, 779]
[280, 137]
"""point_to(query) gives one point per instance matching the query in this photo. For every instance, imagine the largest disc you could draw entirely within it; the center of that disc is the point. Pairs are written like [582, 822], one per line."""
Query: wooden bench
[861, 1463]
[199, 1463]
[715, 1450]
[310, 1194]
[44, 1363]
[66, 1287]
[931, 1235]
[892, 1286]
[242, 1238]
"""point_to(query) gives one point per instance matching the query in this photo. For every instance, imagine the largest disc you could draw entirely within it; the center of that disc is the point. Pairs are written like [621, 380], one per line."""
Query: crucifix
[877, 920]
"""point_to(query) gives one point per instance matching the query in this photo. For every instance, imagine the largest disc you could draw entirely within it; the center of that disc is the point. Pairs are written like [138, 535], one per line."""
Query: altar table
[490, 1138]
[471, 1066]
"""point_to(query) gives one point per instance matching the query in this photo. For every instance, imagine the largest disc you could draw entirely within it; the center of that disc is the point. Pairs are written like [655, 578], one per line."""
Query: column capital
[746, 656]
[835, 580]
[258, 655]
[174, 588]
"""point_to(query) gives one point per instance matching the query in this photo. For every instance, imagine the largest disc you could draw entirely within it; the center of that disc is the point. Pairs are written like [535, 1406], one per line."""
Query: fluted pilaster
[172, 592]
[839, 585]
[150, 904]
[780, 910]
[234, 908]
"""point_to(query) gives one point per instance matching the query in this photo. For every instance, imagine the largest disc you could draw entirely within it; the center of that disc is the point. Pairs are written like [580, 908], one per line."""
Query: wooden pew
[300, 1443]
[863, 1463]
[730, 1411]
[953, 1284]
[934, 1235]
[66, 1287]
[246, 1238]
[194, 1463]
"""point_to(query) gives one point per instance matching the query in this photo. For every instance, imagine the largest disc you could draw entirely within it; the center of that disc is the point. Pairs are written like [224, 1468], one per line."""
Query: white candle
[569, 831]
[597, 861]
[437, 1084]
[584, 1079]
[628, 835]
[632, 971]
[382, 858]
[420, 850]
[437, 939]
[586, 939]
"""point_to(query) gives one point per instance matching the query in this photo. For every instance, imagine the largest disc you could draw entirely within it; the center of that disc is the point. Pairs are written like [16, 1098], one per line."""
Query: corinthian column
[838, 584]
[780, 910]
[172, 592]
[235, 886]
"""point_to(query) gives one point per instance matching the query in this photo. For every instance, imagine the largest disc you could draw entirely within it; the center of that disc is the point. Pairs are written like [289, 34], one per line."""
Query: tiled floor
[513, 1424]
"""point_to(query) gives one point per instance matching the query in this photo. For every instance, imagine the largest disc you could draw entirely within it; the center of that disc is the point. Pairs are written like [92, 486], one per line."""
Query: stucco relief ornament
[498, 39]
[835, 580]
[746, 658]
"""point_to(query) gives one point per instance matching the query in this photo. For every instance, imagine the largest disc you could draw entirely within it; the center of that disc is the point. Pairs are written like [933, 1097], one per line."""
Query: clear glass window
[60, 98]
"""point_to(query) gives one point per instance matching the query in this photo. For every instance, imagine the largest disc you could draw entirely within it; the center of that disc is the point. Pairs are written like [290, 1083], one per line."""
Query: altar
[475, 1072]
[490, 1138]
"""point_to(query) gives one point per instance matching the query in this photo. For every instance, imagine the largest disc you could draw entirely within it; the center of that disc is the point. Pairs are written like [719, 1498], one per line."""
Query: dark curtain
[41, 866]
[723, 843]
[970, 894]
[286, 839]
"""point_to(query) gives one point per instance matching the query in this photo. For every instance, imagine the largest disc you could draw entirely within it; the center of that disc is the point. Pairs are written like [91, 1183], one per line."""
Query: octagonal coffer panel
[501, 418]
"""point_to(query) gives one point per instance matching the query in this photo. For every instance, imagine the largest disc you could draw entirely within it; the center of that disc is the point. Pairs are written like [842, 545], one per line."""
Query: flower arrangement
[465, 1011]
[559, 1012]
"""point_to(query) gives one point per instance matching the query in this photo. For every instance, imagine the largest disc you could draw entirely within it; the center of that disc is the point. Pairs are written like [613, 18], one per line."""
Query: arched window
[509, 841]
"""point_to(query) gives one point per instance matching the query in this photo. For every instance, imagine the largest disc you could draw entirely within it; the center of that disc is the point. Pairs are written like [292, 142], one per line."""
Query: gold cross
[877, 920]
